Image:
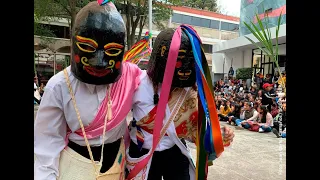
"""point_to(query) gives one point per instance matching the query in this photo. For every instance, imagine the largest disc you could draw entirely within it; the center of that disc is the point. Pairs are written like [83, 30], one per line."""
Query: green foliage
[210, 5]
[244, 73]
[263, 35]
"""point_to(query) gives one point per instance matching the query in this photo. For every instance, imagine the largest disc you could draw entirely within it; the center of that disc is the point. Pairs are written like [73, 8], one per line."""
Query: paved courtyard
[252, 156]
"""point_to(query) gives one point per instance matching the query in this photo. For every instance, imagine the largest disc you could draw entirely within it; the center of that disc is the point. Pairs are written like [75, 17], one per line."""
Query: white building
[241, 53]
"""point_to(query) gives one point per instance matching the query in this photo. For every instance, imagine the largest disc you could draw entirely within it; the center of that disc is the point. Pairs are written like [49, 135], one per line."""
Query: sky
[230, 7]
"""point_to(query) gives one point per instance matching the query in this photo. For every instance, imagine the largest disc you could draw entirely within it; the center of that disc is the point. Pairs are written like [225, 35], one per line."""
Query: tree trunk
[142, 20]
[133, 28]
[128, 22]
[73, 13]
[141, 25]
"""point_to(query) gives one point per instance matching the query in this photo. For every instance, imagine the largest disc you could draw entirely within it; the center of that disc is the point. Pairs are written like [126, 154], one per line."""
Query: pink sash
[164, 96]
[122, 93]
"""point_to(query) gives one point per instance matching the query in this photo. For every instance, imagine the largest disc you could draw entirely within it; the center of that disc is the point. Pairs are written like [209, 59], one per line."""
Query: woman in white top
[265, 119]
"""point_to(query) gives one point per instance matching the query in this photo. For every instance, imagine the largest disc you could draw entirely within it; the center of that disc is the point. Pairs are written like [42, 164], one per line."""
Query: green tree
[134, 11]
[210, 5]
[48, 10]
[136, 16]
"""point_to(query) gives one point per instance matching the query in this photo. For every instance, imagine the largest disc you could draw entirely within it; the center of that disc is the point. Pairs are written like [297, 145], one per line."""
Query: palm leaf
[264, 33]
[256, 33]
[263, 50]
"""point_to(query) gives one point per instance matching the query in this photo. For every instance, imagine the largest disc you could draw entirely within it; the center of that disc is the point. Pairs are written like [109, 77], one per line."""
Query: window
[233, 27]
[187, 20]
[177, 18]
[229, 26]
[205, 23]
[214, 24]
[207, 48]
[195, 21]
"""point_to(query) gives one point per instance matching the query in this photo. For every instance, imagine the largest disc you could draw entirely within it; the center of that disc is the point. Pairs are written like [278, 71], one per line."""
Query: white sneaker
[261, 130]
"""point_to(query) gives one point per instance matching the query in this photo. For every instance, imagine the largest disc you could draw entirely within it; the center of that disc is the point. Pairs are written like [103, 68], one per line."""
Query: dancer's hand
[228, 134]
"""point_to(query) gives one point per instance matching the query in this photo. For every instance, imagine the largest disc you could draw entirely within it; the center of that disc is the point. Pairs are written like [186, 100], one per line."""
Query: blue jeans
[238, 121]
[246, 125]
[284, 135]
[266, 129]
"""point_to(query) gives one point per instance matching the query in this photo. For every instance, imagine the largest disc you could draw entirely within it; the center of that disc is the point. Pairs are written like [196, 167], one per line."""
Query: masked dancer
[81, 121]
[166, 107]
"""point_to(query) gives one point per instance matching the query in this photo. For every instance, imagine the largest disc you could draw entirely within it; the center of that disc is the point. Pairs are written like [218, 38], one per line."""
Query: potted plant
[244, 74]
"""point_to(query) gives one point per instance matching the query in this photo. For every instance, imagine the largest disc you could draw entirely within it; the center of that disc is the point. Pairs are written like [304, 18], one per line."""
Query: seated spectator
[259, 95]
[256, 105]
[218, 102]
[252, 98]
[274, 110]
[252, 113]
[235, 111]
[225, 109]
[253, 91]
[282, 122]
[267, 99]
[246, 113]
[265, 119]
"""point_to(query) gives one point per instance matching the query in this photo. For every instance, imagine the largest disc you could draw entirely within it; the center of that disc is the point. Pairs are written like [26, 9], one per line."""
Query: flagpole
[150, 23]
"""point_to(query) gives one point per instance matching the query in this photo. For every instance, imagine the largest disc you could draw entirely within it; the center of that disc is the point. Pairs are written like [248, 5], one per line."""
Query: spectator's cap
[267, 85]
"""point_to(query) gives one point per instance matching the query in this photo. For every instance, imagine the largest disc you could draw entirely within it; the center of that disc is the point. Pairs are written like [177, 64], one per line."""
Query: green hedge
[244, 73]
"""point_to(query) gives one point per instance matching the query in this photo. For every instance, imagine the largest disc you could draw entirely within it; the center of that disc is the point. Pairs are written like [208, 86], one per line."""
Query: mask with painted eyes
[184, 74]
[98, 44]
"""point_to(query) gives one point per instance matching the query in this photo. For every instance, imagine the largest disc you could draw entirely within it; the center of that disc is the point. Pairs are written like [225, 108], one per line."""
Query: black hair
[264, 113]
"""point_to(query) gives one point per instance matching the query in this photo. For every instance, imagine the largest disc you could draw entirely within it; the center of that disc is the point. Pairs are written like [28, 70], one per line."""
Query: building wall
[241, 59]
[273, 8]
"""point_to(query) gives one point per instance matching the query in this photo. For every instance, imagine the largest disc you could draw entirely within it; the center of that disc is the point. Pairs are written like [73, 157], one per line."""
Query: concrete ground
[251, 156]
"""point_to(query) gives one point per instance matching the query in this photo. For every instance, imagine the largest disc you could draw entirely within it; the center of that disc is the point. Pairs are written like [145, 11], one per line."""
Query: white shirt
[35, 86]
[56, 111]
[143, 104]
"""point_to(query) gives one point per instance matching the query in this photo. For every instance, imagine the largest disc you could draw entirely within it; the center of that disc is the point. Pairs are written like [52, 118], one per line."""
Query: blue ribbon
[196, 48]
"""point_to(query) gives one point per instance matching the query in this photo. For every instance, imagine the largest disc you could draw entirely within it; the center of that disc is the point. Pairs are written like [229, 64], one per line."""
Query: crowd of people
[38, 91]
[260, 107]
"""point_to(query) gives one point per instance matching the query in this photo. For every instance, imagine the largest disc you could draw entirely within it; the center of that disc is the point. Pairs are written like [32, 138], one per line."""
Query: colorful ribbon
[164, 96]
[209, 141]
[139, 51]
[103, 2]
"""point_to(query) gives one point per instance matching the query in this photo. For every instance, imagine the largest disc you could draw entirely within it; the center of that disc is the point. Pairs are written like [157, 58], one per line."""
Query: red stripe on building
[274, 13]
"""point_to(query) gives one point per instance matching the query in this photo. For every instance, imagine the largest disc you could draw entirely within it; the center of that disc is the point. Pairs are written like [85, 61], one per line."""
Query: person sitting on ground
[274, 110]
[283, 123]
[252, 98]
[235, 111]
[253, 90]
[256, 105]
[267, 99]
[218, 102]
[246, 113]
[252, 113]
[224, 111]
[259, 95]
[265, 119]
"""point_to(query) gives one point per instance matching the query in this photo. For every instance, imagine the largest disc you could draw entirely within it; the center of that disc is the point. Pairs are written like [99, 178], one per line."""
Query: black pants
[223, 118]
[233, 119]
[276, 126]
[170, 164]
[110, 153]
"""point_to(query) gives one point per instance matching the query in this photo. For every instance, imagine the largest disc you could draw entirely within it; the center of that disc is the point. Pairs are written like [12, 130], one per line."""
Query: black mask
[184, 74]
[98, 44]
